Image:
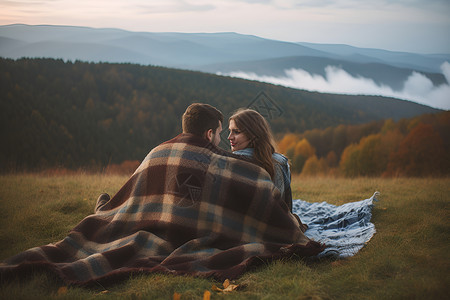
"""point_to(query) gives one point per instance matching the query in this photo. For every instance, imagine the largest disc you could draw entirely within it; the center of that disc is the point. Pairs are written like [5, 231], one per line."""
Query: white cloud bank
[417, 87]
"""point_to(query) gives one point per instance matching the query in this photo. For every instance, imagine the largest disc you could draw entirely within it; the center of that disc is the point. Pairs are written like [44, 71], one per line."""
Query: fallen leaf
[207, 295]
[228, 287]
[226, 283]
[62, 290]
[176, 296]
[215, 288]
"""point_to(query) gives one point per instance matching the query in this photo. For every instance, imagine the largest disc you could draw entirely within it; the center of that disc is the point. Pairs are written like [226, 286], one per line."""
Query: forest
[418, 146]
[79, 115]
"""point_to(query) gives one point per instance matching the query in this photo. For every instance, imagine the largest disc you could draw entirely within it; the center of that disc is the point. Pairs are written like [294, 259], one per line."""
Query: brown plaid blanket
[189, 208]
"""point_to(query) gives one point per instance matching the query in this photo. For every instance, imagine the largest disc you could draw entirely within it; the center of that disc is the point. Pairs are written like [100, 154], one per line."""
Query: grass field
[408, 258]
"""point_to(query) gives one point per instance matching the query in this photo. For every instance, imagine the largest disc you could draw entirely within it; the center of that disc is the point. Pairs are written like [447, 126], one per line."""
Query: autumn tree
[420, 153]
[349, 163]
[288, 141]
[302, 151]
[304, 148]
[370, 156]
[331, 159]
[315, 166]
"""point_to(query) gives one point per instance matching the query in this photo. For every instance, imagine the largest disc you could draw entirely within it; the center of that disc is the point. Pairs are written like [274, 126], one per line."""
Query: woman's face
[238, 140]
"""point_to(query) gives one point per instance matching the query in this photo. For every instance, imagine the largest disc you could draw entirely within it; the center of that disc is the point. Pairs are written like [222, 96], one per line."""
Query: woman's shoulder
[246, 151]
[280, 158]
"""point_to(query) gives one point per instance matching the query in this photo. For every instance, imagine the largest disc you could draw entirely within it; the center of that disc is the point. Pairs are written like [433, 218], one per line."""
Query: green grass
[408, 258]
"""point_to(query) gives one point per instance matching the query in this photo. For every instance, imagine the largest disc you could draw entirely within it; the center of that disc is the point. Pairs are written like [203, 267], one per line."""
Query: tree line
[417, 146]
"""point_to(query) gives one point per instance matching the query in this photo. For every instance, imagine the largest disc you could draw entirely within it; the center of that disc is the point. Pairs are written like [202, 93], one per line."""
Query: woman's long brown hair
[258, 131]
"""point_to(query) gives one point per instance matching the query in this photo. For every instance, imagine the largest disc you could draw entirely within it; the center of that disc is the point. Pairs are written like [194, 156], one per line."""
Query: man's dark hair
[199, 118]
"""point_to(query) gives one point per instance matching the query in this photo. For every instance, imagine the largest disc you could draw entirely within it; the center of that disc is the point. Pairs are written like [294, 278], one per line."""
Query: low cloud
[417, 87]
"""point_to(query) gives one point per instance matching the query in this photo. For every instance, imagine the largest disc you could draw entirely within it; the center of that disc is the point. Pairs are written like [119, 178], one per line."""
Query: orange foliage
[304, 148]
[288, 141]
[418, 146]
[420, 153]
[298, 151]
[371, 156]
[349, 161]
[314, 166]
[331, 159]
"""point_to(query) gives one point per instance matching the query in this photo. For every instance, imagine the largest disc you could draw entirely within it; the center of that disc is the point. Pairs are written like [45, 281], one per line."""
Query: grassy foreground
[408, 258]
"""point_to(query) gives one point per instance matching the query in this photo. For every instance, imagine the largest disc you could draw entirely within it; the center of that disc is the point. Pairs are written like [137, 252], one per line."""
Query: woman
[250, 135]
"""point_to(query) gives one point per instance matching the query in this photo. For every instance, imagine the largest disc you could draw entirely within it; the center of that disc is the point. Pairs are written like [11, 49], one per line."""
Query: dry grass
[407, 258]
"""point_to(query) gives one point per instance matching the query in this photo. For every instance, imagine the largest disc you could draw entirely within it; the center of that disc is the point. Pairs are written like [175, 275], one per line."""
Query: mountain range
[222, 53]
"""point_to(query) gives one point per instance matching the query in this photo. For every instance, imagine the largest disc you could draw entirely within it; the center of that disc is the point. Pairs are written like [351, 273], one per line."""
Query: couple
[249, 136]
[189, 208]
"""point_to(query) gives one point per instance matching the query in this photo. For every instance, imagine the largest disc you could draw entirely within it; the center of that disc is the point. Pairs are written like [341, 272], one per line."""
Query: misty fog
[417, 87]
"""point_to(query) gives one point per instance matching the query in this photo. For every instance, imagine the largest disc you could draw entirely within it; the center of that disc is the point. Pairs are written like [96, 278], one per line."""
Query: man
[199, 119]
[190, 208]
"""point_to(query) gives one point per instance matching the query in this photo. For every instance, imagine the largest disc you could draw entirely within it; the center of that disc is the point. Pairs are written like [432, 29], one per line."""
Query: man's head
[203, 120]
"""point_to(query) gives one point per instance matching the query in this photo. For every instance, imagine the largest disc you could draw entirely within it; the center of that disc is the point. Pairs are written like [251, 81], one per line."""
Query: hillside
[56, 113]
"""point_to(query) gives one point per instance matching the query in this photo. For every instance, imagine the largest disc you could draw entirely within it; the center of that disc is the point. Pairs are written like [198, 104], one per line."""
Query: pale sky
[420, 26]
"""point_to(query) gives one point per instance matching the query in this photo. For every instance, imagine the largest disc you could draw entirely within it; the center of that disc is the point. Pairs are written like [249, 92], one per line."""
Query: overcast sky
[421, 26]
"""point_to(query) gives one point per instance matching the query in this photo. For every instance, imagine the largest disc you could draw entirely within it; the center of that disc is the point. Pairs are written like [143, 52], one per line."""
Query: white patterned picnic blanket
[345, 229]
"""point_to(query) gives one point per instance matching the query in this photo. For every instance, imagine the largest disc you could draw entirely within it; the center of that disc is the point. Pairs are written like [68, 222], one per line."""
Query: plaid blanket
[189, 208]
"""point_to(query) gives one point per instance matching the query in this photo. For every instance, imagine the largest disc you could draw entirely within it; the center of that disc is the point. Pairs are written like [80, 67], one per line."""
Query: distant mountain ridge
[165, 49]
[427, 63]
[185, 50]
